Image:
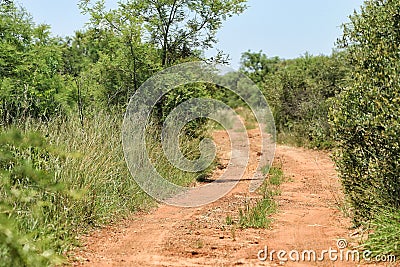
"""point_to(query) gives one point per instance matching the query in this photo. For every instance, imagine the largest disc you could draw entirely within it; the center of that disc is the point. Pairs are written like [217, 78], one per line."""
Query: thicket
[366, 124]
[300, 92]
[62, 101]
[348, 101]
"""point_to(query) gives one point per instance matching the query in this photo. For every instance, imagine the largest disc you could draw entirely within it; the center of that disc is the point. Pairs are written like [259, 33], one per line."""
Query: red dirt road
[308, 218]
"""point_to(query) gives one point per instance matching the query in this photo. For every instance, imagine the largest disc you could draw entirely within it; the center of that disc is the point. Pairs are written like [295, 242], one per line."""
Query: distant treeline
[300, 93]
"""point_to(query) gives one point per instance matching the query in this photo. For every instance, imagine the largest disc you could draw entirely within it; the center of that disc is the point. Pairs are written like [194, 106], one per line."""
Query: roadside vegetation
[366, 126]
[300, 93]
[62, 100]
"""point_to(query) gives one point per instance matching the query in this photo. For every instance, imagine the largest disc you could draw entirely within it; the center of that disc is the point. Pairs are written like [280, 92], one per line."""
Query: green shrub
[299, 92]
[365, 118]
[30, 61]
[29, 189]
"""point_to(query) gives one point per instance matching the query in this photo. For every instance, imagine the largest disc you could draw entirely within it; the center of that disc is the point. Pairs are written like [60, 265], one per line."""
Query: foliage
[178, 28]
[53, 189]
[384, 240]
[299, 92]
[119, 60]
[30, 84]
[29, 189]
[53, 193]
[142, 37]
[365, 117]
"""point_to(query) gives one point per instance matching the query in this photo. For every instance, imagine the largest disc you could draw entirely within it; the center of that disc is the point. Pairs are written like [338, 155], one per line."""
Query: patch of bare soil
[308, 218]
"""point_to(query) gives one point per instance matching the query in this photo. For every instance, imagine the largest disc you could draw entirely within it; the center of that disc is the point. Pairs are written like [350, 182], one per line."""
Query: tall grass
[63, 180]
[383, 239]
[95, 168]
[189, 143]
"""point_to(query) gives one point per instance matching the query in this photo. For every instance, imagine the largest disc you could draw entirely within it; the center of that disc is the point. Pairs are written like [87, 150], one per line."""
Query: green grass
[229, 220]
[189, 146]
[59, 180]
[303, 135]
[384, 236]
[258, 215]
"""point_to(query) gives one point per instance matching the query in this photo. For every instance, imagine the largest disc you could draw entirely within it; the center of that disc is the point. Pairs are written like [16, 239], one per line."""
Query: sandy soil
[308, 218]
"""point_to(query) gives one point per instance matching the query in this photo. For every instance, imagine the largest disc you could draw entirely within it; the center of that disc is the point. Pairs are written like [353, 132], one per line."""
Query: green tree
[258, 66]
[109, 61]
[179, 28]
[30, 82]
[144, 36]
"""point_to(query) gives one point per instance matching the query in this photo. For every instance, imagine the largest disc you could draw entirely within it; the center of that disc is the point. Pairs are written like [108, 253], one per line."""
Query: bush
[300, 92]
[30, 230]
[30, 63]
[365, 118]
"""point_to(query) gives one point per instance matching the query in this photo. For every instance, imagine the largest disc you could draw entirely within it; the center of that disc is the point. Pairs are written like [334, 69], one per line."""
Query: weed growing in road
[229, 220]
[257, 215]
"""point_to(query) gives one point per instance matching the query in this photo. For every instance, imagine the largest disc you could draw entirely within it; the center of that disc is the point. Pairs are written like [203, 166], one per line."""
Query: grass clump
[257, 215]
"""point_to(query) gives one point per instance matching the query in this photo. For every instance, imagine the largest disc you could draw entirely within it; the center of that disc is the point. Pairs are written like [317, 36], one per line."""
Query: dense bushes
[30, 61]
[299, 92]
[63, 171]
[366, 116]
[349, 100]
[366, 119]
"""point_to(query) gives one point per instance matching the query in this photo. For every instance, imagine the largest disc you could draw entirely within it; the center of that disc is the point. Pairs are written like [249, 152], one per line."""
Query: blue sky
[284, 28]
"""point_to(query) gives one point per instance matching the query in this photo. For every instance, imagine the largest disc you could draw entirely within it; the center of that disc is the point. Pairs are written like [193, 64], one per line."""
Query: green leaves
[366, 116]
[29, 67]
[179, 28]
[300, 92]
[27, 188]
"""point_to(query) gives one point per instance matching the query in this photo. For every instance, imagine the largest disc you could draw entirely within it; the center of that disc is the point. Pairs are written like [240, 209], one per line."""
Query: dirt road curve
[308, 219]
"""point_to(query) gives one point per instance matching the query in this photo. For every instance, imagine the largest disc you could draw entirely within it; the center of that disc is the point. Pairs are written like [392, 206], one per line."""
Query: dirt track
[308, 218]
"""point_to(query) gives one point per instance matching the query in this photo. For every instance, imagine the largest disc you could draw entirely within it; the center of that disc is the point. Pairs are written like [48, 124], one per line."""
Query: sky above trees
[284, 28]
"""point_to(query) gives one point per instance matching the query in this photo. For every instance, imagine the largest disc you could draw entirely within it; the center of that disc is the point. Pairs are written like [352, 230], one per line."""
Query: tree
[257, 65]
[179, 28]
[30, 60]
[144, 36]
[366, 116]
